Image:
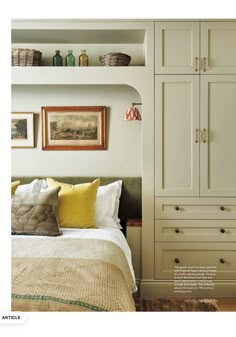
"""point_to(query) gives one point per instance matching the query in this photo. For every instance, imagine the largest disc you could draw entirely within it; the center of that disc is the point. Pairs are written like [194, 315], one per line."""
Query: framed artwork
[73, 128]
[22, 129]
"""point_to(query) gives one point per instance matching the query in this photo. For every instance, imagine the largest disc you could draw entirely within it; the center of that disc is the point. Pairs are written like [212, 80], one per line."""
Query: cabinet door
[218, 47]
[177, 135]
[218, 146]
[176, 47]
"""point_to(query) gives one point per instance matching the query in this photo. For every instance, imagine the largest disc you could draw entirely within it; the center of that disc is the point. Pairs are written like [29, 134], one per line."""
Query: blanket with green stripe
[70, 274]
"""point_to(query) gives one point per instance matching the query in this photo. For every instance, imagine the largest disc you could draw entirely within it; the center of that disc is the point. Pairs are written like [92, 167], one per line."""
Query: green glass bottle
[57, 59]
[70, 59]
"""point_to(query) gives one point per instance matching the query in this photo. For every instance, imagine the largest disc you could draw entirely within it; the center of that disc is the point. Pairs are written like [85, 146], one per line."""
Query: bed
[82, 269]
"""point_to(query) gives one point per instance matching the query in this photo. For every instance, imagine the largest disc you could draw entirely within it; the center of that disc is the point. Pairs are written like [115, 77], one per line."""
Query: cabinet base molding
[153, 288]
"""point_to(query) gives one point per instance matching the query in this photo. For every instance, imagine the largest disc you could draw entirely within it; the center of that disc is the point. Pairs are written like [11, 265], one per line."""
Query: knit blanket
[70, 274]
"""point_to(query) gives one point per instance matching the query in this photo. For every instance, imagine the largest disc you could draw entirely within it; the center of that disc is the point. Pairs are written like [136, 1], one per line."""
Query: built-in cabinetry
[195, 157]
[195, 47]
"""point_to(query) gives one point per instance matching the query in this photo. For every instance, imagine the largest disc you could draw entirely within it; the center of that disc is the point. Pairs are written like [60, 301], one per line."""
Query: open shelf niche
[96, 37]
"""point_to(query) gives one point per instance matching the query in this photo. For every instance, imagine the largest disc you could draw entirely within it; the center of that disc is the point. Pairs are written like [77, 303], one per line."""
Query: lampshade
[132, 114]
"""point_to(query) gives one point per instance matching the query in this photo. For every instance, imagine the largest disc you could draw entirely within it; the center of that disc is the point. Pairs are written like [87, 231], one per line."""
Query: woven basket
[115, 59]
[25, 57]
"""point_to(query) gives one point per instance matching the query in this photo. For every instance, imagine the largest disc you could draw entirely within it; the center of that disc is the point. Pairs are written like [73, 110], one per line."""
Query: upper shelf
[98, 36]
[77, 31]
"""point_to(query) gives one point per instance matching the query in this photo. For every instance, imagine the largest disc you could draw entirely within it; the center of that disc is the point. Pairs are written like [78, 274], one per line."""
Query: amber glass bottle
[83, 59]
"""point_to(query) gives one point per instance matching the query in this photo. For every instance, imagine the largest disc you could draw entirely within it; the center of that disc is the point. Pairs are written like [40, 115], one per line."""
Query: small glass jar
[57, 59]
[70, 59]
[83, 59]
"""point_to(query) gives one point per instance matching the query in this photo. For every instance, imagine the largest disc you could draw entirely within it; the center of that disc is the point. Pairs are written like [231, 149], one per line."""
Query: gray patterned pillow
[35, 214]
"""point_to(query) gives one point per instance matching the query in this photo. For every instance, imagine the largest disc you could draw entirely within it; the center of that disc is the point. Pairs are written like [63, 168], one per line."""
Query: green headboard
[130, 201]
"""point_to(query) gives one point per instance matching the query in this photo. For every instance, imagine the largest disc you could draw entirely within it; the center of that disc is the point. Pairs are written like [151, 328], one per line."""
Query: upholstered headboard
[130, 201]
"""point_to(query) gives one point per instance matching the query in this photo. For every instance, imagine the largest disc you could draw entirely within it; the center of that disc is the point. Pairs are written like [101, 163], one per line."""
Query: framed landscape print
[22, 129]
[73, 128]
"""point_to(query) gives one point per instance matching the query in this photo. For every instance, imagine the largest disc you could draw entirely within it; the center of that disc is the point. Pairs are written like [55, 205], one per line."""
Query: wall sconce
[132, 114]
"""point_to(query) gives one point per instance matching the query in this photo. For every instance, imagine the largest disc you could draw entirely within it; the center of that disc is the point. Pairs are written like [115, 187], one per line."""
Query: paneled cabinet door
[177, 48]
[177, 136]
[218, 47]
[218, 127]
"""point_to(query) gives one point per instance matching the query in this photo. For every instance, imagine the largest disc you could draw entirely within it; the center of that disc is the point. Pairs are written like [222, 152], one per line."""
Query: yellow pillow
[76, 204]
[14, 186]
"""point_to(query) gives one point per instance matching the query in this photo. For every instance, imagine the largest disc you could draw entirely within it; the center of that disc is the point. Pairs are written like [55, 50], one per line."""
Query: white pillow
[44, 186]
[107, 205]
[33, 187]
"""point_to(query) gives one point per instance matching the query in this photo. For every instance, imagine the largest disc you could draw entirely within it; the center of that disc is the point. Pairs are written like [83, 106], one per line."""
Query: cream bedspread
[70, 274]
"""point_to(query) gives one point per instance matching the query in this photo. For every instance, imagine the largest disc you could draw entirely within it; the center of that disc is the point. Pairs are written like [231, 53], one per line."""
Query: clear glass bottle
[70, 59]
[57, 59]
[83, 59]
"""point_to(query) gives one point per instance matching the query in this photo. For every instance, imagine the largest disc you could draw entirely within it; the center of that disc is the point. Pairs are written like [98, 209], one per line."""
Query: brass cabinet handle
[197, 136]
[177, 230]
[177, 260]
[222, 260]
[196, 64]
[222, 230]
[204, 135]
[204, 63]
[177, 208]
[222, 208]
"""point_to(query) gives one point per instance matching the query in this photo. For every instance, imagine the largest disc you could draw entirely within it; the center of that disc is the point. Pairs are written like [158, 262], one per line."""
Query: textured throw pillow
[76, 205]
[35, 214]
[14, 186]
[33, 187]
[107, 205]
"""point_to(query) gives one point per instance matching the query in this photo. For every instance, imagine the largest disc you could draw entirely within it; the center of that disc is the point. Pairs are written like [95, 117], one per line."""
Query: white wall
[123, 154]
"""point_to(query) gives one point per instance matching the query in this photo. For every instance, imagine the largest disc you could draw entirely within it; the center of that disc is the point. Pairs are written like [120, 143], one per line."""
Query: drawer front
[195, 230]
[170, 256]
[195, 208]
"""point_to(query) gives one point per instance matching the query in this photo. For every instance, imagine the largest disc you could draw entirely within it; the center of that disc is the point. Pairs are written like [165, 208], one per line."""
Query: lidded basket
[115, 59]
[25, 57]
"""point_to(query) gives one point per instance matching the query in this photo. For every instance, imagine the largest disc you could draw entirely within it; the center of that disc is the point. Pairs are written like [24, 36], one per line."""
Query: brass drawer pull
[177, 208]
[222, 208]
[197, 136]
[204, 64]
[177, 260]
[222, 230]
[196, 64]
[204, 135]
[177, 230]
[222, 260]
